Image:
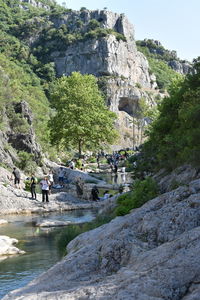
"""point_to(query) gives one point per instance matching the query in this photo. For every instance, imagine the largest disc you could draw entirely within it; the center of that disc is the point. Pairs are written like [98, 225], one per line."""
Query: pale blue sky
[175, 23]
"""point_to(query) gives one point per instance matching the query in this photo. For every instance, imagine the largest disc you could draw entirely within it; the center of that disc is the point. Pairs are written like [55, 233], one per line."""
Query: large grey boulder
[150, 254]
[182, 175]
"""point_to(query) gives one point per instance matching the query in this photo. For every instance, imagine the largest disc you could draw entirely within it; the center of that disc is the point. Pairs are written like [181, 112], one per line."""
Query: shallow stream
[40, 245]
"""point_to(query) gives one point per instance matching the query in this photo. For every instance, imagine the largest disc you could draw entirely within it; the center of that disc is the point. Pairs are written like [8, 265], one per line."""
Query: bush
[143, 191]
[26, 162]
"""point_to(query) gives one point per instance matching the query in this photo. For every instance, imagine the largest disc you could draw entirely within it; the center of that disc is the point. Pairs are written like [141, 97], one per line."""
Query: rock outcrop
[6, 246]
[182, 175]
[38, 4]
[52, 223]
[182, 67]
[18, 134]
[170, 57]
[114, 59]
[150, 254]
[3, 222]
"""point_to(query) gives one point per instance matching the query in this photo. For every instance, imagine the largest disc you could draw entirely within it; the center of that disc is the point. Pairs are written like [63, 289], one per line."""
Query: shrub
[93, 24]
[26, 162]
[143, 191]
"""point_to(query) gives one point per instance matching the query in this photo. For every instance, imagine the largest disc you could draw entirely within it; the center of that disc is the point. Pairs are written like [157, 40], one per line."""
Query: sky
[175, 23]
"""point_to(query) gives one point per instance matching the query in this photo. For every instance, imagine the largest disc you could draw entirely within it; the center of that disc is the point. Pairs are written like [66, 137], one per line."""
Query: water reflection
[115, 178]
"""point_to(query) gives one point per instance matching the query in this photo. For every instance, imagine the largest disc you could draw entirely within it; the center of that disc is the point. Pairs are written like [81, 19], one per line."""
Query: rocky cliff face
[123, 68]
[182, 67]
[18, 134]
[37, 3]
[156, 48]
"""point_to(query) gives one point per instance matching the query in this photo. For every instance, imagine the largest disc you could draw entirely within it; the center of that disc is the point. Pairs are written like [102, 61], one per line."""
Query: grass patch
[68, 233]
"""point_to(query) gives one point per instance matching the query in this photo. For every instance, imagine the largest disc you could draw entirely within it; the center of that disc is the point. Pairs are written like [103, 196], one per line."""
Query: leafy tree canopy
[175, 136]
[82, 120]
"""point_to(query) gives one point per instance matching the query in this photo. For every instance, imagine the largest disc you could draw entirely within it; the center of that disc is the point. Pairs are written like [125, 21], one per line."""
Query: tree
[174, 137]
[81, 120]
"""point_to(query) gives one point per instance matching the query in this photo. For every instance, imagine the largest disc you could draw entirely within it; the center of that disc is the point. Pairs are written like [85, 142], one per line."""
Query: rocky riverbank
[14, 201]
[150, 254]
[19, 201]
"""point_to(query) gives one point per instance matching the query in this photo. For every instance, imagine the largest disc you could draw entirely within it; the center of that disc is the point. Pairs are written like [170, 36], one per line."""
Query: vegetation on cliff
[28, 38]
[158, 58]
[27, 72]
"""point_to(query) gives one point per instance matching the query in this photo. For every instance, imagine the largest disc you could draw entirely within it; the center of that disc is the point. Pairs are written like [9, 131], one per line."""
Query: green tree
[174, 137]
[82, 120]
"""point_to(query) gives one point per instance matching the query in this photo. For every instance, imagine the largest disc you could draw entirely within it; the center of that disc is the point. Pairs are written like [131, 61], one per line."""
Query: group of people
[46, 184]
[112, 159]
[47, 181]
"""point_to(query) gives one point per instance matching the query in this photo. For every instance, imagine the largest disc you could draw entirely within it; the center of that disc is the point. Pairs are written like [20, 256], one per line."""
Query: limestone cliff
[114, 59]
[18, 134]
[156, 49]
[38, 3]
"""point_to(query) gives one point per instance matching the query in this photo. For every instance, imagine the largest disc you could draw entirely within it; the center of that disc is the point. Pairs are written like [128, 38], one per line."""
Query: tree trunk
[79, 148]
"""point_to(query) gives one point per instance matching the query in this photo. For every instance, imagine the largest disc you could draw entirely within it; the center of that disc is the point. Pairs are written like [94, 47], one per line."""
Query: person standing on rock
[79, 187]
[33, 186]
[95, 193]
[45, 183]
[17, 177]
[61, 174]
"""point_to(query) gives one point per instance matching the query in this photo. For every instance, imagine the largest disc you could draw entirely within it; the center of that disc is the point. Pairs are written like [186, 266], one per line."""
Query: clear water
[40, 246]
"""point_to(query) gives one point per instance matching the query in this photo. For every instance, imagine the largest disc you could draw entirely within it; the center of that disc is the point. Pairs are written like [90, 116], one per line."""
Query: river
[40, 245]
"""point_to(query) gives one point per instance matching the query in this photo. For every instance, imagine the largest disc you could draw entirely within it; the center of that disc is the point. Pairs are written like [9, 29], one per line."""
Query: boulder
[6, 246]
[52, 223]
[2, 221]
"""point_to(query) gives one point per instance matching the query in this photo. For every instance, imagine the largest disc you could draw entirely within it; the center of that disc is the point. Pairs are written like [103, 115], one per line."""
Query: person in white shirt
[45, 183]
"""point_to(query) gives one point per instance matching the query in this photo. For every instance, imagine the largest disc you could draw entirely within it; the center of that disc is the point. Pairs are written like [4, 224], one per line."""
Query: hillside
[23, 99]
[40, 41]
[163, 63]
[49, 41]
